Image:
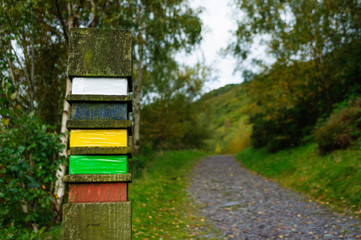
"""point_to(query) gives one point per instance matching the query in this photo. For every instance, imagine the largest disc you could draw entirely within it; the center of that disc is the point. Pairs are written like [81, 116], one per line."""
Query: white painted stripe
[100, 86]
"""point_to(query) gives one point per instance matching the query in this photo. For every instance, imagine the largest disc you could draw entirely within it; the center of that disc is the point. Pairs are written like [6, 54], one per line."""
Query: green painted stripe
[79, 164]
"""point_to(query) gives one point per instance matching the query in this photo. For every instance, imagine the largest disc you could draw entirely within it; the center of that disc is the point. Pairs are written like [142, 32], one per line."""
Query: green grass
[333, 179]
[161, 207]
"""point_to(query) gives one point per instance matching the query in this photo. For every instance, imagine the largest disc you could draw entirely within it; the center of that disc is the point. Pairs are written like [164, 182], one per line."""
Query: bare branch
[60, 17]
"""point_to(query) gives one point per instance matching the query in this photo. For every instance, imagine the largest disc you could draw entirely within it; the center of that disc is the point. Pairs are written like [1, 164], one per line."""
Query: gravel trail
[246, 206]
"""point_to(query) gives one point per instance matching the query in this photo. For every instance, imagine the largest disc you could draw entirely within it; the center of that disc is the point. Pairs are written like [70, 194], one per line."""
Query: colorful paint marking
[89, 164]
[99, 111]
[99, 138]
[100, 86]
[98, 192]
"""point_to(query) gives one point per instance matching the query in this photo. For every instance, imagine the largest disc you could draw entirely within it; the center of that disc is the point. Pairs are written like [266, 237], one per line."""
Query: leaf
[13, 96]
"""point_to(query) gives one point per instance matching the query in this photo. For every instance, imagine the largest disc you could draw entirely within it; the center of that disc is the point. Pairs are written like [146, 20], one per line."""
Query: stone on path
[245, 206]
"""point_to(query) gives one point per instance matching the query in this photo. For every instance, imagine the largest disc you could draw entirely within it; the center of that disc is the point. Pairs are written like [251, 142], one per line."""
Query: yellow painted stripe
[99, 138]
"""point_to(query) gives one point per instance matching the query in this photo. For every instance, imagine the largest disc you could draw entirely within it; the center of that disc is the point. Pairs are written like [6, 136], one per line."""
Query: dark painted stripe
[99, 111]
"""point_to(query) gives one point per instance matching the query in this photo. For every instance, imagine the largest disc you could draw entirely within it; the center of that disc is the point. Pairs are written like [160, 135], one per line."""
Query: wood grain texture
[98, 124]
[98, 192]
[97, 221]
[98, 138]
[99, 98]
[101, 151]
[100, 53]
[99, 111]
[98, 178]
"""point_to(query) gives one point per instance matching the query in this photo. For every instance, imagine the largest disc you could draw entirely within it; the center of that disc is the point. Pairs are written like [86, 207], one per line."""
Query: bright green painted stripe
[79, 164]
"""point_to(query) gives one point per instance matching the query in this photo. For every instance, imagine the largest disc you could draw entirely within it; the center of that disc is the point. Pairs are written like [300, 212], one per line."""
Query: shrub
[285, 129]
[342, 128]
[29, 157]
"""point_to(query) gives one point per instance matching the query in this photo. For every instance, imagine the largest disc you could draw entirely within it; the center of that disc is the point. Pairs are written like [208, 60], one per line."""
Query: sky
[218, 19]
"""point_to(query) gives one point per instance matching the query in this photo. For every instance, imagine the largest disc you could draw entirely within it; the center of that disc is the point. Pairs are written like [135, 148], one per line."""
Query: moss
[111, 220]
[101, 151]
[98, 98]
[99, 124]
[100, 53]
[97, 178]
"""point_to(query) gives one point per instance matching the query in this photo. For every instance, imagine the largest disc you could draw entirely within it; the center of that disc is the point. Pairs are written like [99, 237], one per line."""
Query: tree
[29, 157]
[300, 30]
[315, 44]
[34, 39]
[171, 118]
[160, 28]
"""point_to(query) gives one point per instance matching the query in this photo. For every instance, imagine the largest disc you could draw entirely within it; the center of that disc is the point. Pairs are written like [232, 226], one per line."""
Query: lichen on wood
[100, 53]
[94, 178]
[97, 221]
[98, 124]
[98, 98]
[101, 151]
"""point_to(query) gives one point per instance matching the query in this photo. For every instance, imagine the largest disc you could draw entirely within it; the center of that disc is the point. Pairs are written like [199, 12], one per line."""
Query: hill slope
[223, 111]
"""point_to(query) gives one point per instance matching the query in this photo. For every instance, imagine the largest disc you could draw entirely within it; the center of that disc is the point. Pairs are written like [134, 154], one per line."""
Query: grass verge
[161, 206]
[333, 179]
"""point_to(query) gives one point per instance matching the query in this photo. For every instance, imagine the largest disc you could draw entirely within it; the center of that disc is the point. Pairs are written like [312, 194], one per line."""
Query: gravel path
[245, 206]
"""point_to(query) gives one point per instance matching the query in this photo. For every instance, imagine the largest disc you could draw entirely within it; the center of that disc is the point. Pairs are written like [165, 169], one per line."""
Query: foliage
[332, 179]
[160, 29]
[315, 64]
[161, 207]
[172, 124]
[33, 56]
[170, 121]
[13, 232]
[301, 30]
[286, 101]
[29, 159]
[28, 162]
[223, 112]
[139, 162]
[341, 129]
[34, 38]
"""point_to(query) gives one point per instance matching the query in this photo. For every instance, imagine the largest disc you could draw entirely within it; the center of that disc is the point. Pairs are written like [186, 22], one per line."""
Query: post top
[100, 53]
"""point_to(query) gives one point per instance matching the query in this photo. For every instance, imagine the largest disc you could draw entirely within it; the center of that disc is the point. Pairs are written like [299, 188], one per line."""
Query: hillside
[223, 111]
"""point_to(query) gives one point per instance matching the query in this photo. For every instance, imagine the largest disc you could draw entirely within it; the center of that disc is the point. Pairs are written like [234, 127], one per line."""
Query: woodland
[309, 96]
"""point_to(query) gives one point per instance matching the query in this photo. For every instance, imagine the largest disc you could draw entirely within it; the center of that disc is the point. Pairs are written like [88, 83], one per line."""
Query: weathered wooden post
[100, 67]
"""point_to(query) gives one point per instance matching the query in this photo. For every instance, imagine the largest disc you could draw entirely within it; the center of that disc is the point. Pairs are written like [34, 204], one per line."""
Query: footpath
[244, 206]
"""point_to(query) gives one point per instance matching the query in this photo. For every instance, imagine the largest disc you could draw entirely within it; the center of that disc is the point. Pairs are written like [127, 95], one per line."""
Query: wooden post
[100, 67]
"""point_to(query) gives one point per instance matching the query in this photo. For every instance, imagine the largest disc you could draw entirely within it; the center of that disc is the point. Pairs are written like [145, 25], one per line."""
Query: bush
[285, 129]
[29, 157]
[342, 128]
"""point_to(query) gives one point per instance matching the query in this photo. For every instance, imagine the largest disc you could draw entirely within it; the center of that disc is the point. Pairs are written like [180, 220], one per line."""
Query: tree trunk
[32, 73]
[59, 191]
[137, 100]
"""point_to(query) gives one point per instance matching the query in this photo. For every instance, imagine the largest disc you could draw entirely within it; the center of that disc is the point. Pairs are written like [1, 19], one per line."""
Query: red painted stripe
[98, 192]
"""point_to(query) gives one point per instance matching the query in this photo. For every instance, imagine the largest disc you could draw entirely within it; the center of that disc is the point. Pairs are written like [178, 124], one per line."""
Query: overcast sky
[218, 19]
